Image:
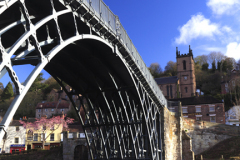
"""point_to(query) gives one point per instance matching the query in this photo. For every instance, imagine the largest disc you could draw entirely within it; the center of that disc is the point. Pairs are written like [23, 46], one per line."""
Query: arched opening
[80, 152]
[184, 65]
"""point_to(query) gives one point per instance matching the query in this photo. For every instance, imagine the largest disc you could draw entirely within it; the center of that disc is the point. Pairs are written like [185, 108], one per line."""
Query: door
[80, 152]
[28, 147]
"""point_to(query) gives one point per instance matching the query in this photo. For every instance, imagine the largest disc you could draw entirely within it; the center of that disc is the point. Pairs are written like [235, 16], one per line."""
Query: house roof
[74, 127]
[15, 123]
[44, 105]
[198, 100]
[166, 80]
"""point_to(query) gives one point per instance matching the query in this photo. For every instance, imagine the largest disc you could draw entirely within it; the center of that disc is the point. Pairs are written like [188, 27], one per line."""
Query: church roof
[198, 100]
[166, 80]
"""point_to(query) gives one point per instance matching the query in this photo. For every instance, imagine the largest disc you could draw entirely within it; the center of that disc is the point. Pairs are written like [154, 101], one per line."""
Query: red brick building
[204, 108]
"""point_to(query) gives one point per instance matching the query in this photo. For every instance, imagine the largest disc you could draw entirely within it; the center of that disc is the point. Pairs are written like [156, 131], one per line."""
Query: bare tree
[201, 59]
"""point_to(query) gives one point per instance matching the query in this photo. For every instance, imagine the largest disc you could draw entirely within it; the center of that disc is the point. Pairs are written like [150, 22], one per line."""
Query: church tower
[186, 73]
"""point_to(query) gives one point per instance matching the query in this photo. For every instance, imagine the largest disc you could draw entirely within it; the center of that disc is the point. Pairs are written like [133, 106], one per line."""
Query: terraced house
[43, 138]
[14, 139]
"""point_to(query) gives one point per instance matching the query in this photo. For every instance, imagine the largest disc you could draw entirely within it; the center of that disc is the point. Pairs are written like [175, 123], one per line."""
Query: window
[212, 118]
[39, 115]
[167, 90]
[184, 65]
[17, 128]
[52, 127]
[43, 136]
[46, 110]
[52, 110]
[211, 108]
[171, 91]
[172, 109]
[39, 110]
[70, 135]
[198, 108]
[16, 140]
[35, 137]
[52, 137]
[61, 137]
[184, 110]
[186, 89]
[198, 118]
[81, 135]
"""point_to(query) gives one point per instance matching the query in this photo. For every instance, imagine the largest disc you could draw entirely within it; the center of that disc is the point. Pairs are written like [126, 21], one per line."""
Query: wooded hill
[37, 93]
[210, 71]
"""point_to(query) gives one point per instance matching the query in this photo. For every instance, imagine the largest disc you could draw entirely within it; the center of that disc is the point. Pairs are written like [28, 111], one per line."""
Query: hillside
[228, 148]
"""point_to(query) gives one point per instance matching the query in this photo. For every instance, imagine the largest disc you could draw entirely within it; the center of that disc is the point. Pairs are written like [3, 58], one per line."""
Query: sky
[157, 27]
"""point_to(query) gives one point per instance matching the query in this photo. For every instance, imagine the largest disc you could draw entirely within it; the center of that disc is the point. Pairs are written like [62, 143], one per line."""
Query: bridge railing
[111, 21]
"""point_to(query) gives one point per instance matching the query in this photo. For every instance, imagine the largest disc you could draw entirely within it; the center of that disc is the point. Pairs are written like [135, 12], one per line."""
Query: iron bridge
[82, 43]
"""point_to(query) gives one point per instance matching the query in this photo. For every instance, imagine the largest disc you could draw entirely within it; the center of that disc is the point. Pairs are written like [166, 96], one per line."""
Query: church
[183, 88]
[184, 84]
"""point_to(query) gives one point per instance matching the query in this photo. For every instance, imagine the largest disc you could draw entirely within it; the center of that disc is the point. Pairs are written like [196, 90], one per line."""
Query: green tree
[72, 114]
[213, 67]
[7, 92]
[1, 88]
[171, 69]
[51, 84]
[156, 70]
[37, 85]
[205, 67]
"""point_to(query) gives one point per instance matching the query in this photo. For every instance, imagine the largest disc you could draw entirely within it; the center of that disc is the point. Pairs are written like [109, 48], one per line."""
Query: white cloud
[233, 50]
[197, 27]
[220, 7]
[226, 29]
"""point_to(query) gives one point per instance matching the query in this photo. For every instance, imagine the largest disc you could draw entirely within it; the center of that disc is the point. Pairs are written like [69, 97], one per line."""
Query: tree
[211, 84]
[201, 59]
[171, 69]
[37, 85]
[205, 67]
[47, 126]
[7, 92]
[51, 84]
[155, 69]
[1, 88]
[213, 67]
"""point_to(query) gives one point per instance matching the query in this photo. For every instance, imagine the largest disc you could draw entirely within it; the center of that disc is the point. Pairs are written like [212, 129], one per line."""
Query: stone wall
[205, 135]
[171, 135]
[69, 145]
[187, 153]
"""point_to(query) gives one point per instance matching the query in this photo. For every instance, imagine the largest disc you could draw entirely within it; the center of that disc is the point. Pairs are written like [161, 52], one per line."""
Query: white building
[14, 139]
[232, 116]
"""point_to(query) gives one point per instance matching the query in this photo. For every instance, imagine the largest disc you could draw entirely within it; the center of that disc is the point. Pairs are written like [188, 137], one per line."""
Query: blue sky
[157, 27]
